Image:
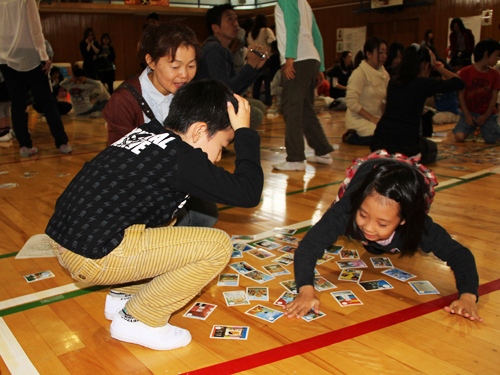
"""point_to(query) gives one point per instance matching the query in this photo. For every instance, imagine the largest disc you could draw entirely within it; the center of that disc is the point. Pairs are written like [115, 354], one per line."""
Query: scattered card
[285, 298]
[257, 293]
[289, 285]
[321, 284]
[349, 254]
[242, 247]
[62, 174]
[258, 276]
[356, 263]
[350, 275]
[242, 267]
[326, 258]
[310, 316]
[236, 254]
[334, 249]
[242, 237]
[267, 244]
[236, 298]
[398, 274]
[346, 298]
[284, 230]
[229, 332]
[200, 311]
[265, 313]
[228, 279]
[423, 287]
[381, 262]
[276, 269]
[283, 238]
[8, 185]
[39, 276]
[260, 253]
[373, 285]
[288, 249]
[285, 259]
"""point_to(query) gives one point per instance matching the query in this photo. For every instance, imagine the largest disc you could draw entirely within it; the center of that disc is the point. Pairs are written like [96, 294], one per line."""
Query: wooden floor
[54, 326]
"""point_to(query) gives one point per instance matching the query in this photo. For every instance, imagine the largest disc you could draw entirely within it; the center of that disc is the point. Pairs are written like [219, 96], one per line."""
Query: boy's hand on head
[242, 118]
[303, 303]
[465, 306]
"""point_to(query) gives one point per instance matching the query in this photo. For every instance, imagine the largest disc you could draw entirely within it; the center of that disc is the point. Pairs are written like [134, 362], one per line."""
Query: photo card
[236, 298]
[381, 262]
[228, 279]
[200, 311]
[257, 293]
[346, 298]
[374, 285]
[265, 313]
[229, 332]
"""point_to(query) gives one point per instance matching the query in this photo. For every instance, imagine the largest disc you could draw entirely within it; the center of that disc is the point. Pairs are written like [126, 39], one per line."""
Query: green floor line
[464, 181]
[9, 255]
[450, 177]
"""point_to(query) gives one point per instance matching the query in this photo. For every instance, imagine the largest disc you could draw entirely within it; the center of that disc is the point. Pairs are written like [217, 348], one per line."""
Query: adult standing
[461, 41]
[24, 63]
[301, 49]
[89, 49]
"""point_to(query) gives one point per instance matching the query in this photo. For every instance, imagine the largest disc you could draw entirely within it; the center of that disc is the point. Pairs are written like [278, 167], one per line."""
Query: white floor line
[271, 232]
[13, 355]
[469, 176]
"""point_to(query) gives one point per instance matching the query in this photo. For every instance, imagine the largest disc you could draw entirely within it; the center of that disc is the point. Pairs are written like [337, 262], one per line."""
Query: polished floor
[57, 326]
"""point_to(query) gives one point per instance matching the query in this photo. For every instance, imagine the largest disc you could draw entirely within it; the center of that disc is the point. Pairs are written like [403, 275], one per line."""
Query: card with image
[290, 285]
[265, 313]
[423, 287]
[242, 247]
[242, 237]
[283, 238]
[276, 269]
[38, 276]
[381, 262]
[258, 276]
[324, 259]
[350, 275]
[349, 254]
[356, 263]
[200, 311]
[288, 249]
[285, 259]
[229, 332]
[346, 298]
[284, 230]
[399, 274]
[228, 279]
[260, 253]
[242, 267]
[236, 298]
[374, 285]
[321, 284]
[257, 293]
[236, 254]
[311, 315]
[285, 298]
[334, 249]
[267, 244]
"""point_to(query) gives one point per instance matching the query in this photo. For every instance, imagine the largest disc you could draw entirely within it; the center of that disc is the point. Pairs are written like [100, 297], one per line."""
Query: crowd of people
[168, 126]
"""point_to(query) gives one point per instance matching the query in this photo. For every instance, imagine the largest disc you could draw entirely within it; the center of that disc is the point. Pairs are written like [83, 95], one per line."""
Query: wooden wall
[63, 28]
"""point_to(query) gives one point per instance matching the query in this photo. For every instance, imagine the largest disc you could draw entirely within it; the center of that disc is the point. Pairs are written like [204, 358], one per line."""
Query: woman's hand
[465, 306]
[303, 303]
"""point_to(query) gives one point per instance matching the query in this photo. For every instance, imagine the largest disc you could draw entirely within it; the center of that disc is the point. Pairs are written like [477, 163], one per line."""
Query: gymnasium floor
[57, 326]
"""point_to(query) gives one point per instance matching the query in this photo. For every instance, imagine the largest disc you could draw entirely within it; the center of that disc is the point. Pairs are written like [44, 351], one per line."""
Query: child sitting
[109, 228]
[479, 98]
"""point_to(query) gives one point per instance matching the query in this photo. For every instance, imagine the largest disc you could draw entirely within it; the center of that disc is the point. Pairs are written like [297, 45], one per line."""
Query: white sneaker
[27, 152]
[323, 159]
[128, 329]
[115, 302]
[6, 137]
[290, 166]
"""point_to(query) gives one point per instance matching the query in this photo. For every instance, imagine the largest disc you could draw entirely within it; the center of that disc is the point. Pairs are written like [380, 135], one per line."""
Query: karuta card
[276, 269]
[349, 254]
[326, 258]
[242, 247]
[258, 276]
[242, 267]
[228, 279]
[285, 298]
[236, 254]
[267, 244]
[284, 230]
[257, 293]
[310, 316]
[260, 253]
[284, 238]
[398, 274]
[289, 285]
[373, 285]
[236, 298]
[265, 313]
[288, 249]
[350, 275]
[334, 249]
[229, 332]
[285, 259]
[356, 263]
[200, 311]
[346, 298]
[381, 262]
[321, 284]
[38, 276]
[242, 237]
[316, 273]
[423, 287]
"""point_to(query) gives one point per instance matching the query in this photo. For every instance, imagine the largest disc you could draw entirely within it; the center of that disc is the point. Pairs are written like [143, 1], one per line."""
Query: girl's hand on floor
[465, 306]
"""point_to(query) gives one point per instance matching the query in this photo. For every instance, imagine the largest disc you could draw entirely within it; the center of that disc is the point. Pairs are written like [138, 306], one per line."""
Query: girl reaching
[383, 204]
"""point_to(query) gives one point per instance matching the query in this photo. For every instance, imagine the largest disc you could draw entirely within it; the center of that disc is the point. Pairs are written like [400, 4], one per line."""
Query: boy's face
[197, 136]
[493, 58]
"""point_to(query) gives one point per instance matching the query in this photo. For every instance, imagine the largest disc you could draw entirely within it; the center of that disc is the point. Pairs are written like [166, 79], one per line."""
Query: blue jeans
[490, 130]
[197, 213]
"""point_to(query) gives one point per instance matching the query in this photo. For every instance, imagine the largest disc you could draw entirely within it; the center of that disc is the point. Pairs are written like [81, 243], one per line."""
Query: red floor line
[297, 348]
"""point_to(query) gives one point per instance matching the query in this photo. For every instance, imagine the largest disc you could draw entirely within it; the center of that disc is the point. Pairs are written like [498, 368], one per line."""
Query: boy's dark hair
[486, 45]
[153, 16]
[214, 16]
[201, 101]
[165, 39]
[402, 183]
[79, 72]
[409, 68]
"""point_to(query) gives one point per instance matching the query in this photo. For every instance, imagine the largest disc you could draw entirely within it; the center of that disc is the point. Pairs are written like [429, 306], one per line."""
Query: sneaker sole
[131, 341]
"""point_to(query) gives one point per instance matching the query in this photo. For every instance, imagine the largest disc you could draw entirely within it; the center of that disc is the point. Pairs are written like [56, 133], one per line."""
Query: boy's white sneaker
[323, 159]
[290, 166]
[128, 329]
[115, 302]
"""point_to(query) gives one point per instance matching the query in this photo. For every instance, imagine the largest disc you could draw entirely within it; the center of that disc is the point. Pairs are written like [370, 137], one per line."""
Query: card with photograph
[242, 237]
[265, 313]
[381, 262]
[260, 253]
[276, 269]
[38, 276]
[310, 316]
[236, 298]
[284, 230]
[267, 244]
[236, 254]
[321, 284]
[399, 274]
[200, 311]
[289, 285]
[285, 298]
[258, 276]
[228, 279]
[242, 267]
[334, 249]
[374, 285]
[356, 263]
[229, 332]
[423, 287]
[288, 249]
[283, 238]
[324, 259]
[257, 293]
[349, 254]
[346, 298]
[285, 259]
[350, 275]
[242, 247]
